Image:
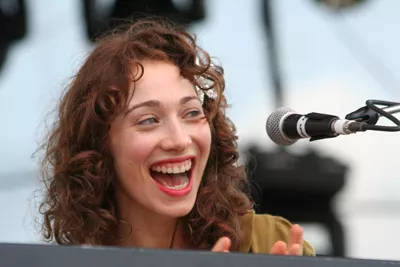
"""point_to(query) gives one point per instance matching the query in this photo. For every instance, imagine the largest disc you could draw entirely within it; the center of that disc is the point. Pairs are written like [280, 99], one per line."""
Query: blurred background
[311, 55]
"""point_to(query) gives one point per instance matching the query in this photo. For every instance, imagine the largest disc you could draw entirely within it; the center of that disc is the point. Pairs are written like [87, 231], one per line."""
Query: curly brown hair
[77, 169]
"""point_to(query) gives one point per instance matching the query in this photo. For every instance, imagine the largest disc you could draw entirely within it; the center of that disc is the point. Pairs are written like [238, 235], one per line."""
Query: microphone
[284, 126]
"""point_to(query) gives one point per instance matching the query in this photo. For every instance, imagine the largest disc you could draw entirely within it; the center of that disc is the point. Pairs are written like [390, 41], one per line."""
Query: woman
[143, 155]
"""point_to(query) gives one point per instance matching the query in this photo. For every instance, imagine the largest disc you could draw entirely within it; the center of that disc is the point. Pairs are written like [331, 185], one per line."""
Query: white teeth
[181, 169]
[178, 187]
[173, 167]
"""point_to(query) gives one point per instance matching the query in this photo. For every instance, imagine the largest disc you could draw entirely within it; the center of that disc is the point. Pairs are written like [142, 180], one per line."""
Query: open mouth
[173, 176]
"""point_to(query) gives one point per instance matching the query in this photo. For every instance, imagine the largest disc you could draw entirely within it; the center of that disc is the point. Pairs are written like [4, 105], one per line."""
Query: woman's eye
[148, 121]
[193, 113]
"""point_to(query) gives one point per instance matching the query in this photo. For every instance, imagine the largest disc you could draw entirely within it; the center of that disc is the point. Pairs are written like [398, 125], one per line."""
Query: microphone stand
[370, 114]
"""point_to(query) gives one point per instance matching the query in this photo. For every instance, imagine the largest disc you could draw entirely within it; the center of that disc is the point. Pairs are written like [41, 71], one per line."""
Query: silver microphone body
[284, 126]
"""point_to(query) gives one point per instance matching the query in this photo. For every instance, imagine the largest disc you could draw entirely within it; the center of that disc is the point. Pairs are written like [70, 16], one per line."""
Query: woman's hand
[295, 245]
[222, 245]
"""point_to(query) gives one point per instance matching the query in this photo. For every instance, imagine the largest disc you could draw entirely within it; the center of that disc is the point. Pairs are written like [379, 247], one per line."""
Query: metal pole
[273, 55]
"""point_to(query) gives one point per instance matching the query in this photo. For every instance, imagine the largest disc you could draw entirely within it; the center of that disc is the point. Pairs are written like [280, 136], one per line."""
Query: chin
[177, 210]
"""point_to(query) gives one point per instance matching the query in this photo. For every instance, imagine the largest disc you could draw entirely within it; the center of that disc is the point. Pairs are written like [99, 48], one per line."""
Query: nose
[177, 137]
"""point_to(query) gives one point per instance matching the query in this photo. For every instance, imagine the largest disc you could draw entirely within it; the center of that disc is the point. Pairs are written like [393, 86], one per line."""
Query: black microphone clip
[315, 119]
[364, 114]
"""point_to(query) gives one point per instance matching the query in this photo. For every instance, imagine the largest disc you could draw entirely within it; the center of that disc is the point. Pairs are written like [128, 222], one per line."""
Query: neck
[145, 229]
[151, 233]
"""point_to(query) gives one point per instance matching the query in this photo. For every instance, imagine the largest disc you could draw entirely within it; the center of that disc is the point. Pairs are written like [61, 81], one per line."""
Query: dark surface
[300, 188]
[18, 255]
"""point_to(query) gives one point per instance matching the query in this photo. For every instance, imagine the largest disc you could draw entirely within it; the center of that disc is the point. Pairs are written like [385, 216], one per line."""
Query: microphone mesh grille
[274, 131]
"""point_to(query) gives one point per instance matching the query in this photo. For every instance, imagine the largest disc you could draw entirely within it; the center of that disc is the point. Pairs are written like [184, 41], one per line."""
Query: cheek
[132, 148]
[204, 137]
[139, 146]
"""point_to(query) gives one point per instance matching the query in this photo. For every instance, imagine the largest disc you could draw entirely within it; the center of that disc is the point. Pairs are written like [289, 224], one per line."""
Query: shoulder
[261, 231]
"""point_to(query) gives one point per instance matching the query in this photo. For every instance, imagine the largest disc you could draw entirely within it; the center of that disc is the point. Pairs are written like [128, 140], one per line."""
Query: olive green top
[260, 232]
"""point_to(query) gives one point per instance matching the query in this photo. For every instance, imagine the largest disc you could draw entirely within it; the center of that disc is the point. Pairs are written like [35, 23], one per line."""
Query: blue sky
[323, 61]
[311, 57]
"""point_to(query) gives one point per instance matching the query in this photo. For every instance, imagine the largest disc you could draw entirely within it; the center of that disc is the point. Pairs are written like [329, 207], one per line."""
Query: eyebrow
[156, 103]
[186, 99]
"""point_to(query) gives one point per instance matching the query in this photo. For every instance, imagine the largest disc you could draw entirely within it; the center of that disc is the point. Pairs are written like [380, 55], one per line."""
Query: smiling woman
[143, 155]
[160, 148]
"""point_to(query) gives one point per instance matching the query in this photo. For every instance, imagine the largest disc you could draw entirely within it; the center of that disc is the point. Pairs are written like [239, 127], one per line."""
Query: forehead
[161, 80]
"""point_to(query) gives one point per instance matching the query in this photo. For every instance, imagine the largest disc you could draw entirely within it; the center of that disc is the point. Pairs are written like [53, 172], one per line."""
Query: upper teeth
[173, 167]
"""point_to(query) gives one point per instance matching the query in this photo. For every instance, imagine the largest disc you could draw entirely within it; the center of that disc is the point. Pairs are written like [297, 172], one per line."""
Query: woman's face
[161, 144]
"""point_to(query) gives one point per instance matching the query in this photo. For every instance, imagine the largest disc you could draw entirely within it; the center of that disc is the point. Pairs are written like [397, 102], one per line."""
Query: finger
[222, 245]
[296, 235]
[279, 248]
[296, 250]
